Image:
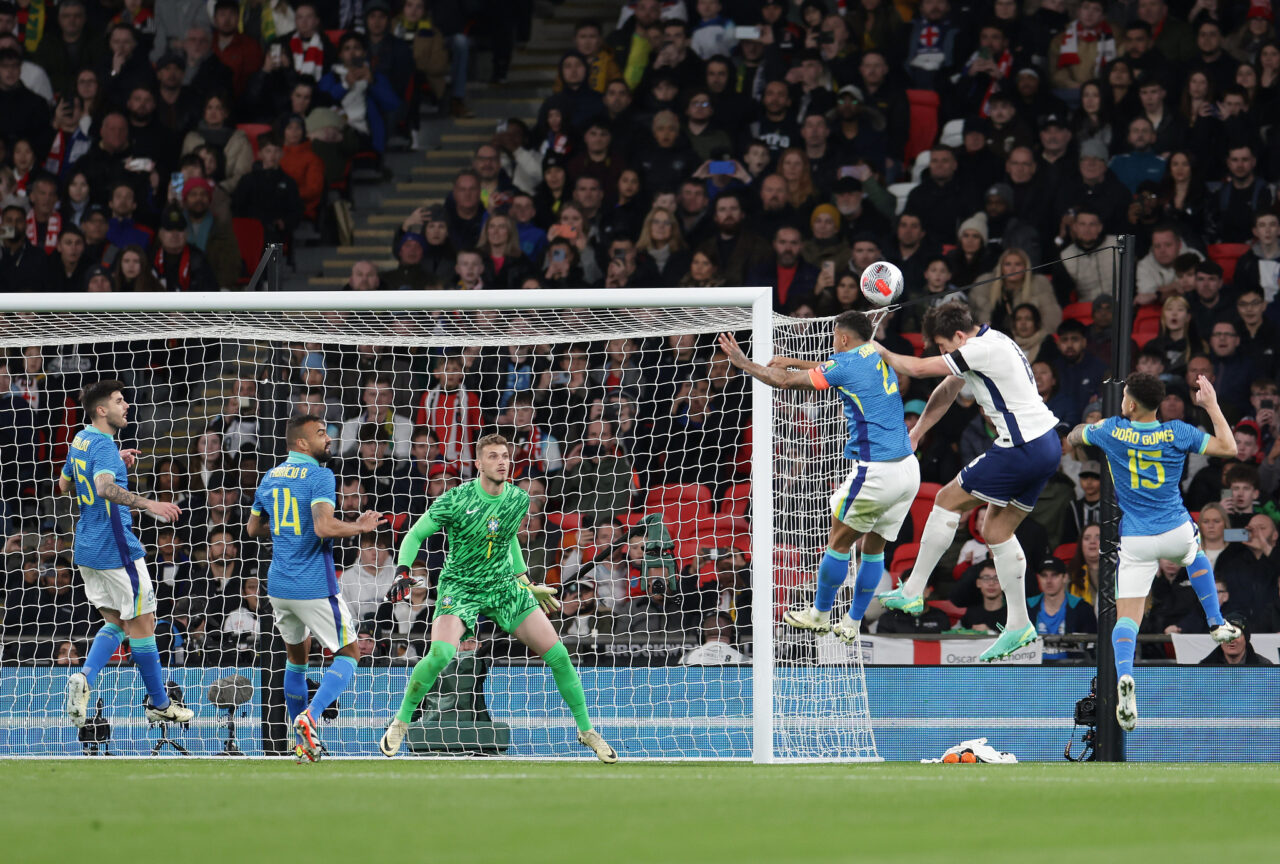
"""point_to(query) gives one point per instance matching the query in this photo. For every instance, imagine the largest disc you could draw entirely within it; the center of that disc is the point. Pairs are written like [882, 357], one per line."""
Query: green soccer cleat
[389, 743]
[895, 599]
[1126, 703]
[808, 619]
[595, 742]
[1008, 642]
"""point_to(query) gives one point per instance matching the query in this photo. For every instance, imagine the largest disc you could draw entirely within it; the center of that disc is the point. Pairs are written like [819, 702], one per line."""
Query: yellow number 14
[290, 507]
[1140, 460]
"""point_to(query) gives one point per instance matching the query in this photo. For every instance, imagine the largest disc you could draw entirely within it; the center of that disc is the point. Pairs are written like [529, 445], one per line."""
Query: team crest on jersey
[828, 366]
[493, 525]
[446, 601]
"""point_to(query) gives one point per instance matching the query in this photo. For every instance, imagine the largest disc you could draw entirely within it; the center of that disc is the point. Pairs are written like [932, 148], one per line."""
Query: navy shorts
[1013, 475]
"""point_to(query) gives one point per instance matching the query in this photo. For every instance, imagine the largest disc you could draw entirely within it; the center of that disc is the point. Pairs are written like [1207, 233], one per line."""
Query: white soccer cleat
[847, 630]
[594, 741]
[390, 741]
[171, 713]
[1126, 704]
[77, 699]
[808, 619]
[1227, 632]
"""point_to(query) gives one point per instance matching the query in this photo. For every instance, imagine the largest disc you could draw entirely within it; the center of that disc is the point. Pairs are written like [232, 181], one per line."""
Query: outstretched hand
[165, 511]
[729, 345]
[130, 457]
[369, 520]
[1205, 395]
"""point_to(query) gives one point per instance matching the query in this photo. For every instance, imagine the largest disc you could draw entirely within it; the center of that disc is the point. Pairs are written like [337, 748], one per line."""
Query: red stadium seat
[788, 557]
[1145, 331]
[252, 131]
[917, 342]
[920, 510]
[1065, 552]
[565, 521]
[1082, 312]
[1225, 255]
[680, 504]
[251, 240]
[924, 123]
[737, 500]
[948, 248]
[903, 559]
[1150, 312]
[959, 570]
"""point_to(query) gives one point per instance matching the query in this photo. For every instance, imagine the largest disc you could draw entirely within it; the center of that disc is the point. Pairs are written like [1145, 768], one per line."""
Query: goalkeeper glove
[544, 594]
[403, 585]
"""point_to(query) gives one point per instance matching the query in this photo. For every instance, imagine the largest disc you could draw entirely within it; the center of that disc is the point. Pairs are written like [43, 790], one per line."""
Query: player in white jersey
[1008, 477]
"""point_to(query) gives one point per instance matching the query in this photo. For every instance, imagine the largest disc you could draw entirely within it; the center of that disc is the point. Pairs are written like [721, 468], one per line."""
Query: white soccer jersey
[1000, 376]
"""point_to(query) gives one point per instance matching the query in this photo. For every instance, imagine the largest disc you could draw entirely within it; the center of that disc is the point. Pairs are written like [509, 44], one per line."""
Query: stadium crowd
[688, 143]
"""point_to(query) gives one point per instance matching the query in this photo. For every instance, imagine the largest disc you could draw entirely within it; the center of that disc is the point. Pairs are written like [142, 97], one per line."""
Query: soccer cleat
[171, 713]
[77, 699]
[593, 740]
[808, 619]
[300, 756]
[847, 630]
[1227, 632]
[1126, 703]
[895, 599]
[304, 727]
[389, 743]
[1008, 642]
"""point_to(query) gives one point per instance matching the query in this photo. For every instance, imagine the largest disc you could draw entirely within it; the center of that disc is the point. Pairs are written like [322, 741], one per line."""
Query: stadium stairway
[425, 177]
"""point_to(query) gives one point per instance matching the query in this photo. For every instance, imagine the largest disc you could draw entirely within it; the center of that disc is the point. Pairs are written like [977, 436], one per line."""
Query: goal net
[638, 443]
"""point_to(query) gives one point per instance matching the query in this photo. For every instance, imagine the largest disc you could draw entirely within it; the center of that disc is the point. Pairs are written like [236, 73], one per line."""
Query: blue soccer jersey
[104, 532]
[868, 390]
[1146, 461]
[301, 562]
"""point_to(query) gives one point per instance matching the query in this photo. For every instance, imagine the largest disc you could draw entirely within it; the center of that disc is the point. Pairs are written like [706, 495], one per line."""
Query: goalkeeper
[484, 574]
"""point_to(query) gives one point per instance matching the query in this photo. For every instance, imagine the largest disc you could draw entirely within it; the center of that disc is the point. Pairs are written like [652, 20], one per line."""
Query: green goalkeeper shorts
[505, 605]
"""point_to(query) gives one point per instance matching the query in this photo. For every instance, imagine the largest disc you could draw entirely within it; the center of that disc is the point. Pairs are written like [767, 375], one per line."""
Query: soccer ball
[881, 283]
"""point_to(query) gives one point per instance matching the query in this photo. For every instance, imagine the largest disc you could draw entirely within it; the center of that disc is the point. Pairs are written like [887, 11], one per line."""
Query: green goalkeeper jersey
[483, 531]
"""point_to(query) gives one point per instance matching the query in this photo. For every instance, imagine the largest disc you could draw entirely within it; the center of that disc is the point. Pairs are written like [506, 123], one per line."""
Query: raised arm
[1223, 442]
[915, 367]
[1075, 437]
[327, 525]
[104, 482]
[939, 401]
[783, 379]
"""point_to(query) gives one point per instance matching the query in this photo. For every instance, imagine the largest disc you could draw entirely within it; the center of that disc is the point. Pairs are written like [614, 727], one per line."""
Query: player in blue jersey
[294, 507]
[874, 500]
[109, 555]
[1146, 459]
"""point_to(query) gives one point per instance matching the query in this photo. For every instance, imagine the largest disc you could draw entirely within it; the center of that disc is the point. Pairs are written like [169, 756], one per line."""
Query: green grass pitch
[413, 810]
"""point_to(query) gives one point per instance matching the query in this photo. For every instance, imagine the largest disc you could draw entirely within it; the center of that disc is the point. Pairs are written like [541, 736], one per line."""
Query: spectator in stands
[215, 131]
[942, 198]
[178, 265]
[1083, 567]
[300, 162]
[1237, 652]
[1233, 370]
[43, 223]
[505, 265]
[364, 277]
[1140, 163]
[373, 466]
[1090, 275]
[1054, 611]
[121, 228]
[1243, 193]
[68, 48]
[598, 479]
[738, 250]
[269, 194]
[717, 644]
[377, 397]
[65, 268]
[366, 584]
[661, 257]
[212, 236]
[239, 52]
[793, 279]
[1015, 283]
[22, 264]
[1157, 276]
[451, 411]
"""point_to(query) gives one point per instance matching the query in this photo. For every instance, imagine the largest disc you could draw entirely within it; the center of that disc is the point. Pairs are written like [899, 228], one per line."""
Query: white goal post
[799, 701]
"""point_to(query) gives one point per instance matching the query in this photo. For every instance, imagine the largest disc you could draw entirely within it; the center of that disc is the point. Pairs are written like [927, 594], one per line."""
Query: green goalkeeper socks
[567, 682]
[424, 676]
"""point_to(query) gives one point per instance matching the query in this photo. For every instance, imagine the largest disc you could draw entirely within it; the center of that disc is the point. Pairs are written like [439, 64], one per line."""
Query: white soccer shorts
[326, 618]
[1140, 558]
[129, 594]
[877, 496]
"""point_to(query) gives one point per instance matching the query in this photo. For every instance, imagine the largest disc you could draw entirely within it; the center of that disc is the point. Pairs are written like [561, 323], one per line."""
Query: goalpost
[632, 415]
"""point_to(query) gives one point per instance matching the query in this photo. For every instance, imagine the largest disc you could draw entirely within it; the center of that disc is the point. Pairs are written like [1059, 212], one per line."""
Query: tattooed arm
[110, 490]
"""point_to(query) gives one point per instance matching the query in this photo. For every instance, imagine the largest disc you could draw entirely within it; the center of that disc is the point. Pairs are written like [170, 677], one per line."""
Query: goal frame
[758, 299]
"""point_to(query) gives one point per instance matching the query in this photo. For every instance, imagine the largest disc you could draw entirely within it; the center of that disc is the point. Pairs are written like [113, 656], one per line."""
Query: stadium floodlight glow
[185, 355]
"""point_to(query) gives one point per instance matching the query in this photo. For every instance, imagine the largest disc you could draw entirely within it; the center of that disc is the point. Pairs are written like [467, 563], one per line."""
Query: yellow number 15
[1140, 460]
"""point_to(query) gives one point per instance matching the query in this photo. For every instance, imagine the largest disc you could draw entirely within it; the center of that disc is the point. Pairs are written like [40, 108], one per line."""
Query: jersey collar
[94, 429]
[295, 456]
[983, 329]
[1147, 424]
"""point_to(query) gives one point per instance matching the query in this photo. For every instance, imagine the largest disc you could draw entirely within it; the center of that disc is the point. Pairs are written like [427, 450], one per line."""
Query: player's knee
[441, 653]
[141, 627]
